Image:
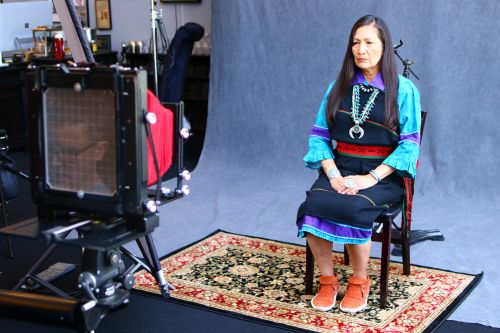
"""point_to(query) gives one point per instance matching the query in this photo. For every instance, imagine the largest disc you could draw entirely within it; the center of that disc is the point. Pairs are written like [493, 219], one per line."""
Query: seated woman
[365, 138]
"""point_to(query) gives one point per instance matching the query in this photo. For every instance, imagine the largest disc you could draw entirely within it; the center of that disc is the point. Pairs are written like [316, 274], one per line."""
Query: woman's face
[367, 49]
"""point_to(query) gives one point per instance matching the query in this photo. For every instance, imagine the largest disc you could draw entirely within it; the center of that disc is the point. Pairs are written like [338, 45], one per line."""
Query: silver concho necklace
[358, 118]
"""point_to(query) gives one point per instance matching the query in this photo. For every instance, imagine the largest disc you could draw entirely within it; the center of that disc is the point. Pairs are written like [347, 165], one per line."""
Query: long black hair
[388, 69]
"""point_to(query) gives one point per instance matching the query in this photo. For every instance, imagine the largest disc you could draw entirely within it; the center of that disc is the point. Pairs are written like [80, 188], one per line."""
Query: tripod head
[406, 63]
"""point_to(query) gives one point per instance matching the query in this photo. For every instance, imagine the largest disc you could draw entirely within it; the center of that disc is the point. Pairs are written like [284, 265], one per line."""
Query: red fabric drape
[163, 138]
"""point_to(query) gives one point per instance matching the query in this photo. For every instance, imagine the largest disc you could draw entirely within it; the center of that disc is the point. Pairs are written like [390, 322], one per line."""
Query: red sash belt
[349, 149]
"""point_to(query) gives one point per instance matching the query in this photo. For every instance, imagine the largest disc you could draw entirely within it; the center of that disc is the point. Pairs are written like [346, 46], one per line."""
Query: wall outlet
[26, 25]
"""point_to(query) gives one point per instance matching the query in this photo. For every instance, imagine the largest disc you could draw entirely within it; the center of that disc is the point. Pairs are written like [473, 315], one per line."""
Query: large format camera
[98, 141]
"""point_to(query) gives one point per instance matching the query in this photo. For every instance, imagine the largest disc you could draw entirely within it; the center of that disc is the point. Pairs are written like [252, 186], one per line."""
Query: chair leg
[385, 261]
[346, 256]
[405, 246]
[309, 270]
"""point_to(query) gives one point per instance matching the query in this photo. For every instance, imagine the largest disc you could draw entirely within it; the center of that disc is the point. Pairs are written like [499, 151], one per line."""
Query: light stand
[153, 42]
[406, 63]
[157, 26]
[162, 48]
[416, 236]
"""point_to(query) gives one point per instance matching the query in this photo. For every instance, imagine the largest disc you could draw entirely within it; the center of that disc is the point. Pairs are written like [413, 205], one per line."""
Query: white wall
[13, 16]
[131, 19]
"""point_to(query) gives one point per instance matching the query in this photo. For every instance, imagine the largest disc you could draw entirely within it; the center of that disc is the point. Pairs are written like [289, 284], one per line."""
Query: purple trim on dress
[377, 81]
[333, 228]
[414, 137]
[322, 132]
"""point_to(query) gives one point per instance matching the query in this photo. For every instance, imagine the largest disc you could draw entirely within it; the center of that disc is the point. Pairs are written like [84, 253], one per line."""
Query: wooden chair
[383, 232]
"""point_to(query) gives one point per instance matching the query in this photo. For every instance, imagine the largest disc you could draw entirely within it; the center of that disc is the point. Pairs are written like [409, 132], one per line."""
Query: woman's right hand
[338, 184]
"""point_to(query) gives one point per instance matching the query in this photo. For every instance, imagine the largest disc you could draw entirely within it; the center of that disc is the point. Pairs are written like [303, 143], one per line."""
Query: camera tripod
[104, 280]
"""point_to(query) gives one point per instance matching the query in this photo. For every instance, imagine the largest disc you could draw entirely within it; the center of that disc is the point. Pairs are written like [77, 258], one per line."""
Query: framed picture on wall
[179, 1]
[82, 9]
[103, 14]
[103, 43]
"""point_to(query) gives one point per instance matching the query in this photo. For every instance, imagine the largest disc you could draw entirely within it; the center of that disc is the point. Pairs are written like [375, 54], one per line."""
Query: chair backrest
[422, 124]
[409, 188]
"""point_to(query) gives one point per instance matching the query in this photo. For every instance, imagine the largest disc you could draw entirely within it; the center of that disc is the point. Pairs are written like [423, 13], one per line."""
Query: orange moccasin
[327, 293]
[356, 296]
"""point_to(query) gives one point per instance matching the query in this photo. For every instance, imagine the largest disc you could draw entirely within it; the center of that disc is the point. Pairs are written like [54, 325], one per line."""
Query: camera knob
[184, 133]
[185, 174]
[151, 118]
[185, 190]
[77, 87]
[128, 281]
[151, 206]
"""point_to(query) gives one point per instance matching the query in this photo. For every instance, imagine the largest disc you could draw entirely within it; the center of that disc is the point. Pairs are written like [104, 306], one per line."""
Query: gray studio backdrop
[271, 63]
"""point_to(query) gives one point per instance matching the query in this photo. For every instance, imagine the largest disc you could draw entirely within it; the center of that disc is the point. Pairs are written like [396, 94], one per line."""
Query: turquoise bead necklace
[358, 118]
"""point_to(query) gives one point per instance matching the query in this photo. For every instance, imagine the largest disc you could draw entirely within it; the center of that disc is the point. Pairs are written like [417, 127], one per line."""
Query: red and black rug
[264, 280]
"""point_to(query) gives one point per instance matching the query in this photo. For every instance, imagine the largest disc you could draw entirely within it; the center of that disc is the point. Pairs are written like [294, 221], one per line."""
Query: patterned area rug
[264, 279]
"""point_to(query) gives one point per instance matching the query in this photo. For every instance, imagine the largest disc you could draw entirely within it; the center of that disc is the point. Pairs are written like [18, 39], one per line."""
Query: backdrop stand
[416, 236]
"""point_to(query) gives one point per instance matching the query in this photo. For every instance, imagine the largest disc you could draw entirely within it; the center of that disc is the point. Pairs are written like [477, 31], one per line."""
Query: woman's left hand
[361, 183]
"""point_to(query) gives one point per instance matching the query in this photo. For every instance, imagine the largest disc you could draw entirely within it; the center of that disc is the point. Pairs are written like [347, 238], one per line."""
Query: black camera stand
[150, 263]
[30, 279]
[104, 280]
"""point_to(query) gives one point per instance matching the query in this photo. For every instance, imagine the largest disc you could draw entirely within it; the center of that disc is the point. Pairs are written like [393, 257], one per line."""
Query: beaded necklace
[355, 114]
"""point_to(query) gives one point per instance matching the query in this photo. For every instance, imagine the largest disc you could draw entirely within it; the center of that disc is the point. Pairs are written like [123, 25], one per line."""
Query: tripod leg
[148, 249]
[33, 268]
[138, 263]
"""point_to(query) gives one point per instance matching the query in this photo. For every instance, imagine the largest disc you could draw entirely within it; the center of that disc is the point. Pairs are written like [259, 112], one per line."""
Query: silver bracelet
[332, 173]
[375, 175]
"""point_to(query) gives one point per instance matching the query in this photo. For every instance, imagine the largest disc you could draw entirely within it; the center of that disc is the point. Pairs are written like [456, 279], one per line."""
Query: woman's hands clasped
[357, 182]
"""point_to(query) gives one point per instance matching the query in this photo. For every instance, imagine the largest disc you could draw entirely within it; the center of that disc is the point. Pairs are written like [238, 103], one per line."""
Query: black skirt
[359, 210]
